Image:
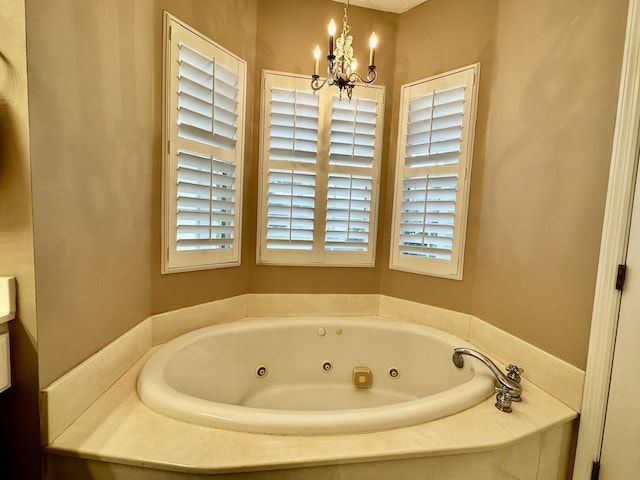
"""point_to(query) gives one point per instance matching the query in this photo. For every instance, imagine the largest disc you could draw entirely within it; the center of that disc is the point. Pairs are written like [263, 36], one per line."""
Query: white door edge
[613, 248]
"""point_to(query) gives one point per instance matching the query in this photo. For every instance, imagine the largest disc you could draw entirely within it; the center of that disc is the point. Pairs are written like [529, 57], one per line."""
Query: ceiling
[394, 6]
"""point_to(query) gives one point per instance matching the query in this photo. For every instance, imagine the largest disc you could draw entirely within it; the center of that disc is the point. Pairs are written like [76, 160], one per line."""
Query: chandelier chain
[345, 26]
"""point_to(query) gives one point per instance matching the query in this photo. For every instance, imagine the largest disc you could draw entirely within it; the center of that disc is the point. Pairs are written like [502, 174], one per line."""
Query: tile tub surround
[541, 456]
[118, 431]
[553, 375]
[65, 399]
[103, 436]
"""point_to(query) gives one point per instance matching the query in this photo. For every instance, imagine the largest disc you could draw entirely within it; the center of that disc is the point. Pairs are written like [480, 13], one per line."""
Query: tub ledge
[117, 437]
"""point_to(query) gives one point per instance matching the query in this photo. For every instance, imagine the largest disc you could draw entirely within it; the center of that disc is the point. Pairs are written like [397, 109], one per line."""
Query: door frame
[613, 252]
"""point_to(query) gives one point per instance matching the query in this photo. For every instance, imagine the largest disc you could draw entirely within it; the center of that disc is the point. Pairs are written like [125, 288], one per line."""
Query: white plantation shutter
[428, 213]
[293, 136]
[290, 159]
[204, 128]
[348, 213]
[206, 197]
[207, 100]
[432, 177]
[352, 158]
[320, 163]
[291, 202]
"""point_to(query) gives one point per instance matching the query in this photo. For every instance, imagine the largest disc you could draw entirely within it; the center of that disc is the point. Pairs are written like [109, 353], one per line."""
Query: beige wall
[232, 24]
[433, 38]
[547, 102]
[97, 167]
[92, 139]
[543, 184]
[19, 422]
[95, 92]
[94, 78]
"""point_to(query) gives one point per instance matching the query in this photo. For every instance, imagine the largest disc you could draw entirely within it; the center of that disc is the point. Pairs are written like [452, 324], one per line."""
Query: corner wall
[94, 78]
[548, 94]
[543, 187]
[92, 139]
[19, 420]
[232, 24]
[95, 71]
[433, 38]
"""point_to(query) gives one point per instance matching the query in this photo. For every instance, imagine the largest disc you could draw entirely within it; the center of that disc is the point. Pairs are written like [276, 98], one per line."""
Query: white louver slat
[348, 213]
[206, 197]
[434, 150]
[207, 100]
[352, 137]
[294, 126]
[351, 159]
[434, 134]
[207, 114]
[290, 220]
[290, 188]
[428, 216]
[434, 128]
[204, 102]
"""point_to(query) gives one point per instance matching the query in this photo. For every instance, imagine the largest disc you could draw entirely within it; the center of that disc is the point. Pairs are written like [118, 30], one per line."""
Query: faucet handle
[514, 373]
[514, 376]
[503, 399]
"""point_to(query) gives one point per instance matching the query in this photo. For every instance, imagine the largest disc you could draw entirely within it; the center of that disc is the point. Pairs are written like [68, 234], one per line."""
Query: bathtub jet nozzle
[508, 388]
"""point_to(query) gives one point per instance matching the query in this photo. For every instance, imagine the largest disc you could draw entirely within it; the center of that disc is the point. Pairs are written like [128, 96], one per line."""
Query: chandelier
[341, 69]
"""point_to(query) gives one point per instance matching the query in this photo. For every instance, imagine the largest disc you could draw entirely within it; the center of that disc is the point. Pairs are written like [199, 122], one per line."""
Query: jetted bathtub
[312, 376]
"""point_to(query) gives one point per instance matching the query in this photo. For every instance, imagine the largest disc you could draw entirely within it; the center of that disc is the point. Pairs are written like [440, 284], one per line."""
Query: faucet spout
[506, 386]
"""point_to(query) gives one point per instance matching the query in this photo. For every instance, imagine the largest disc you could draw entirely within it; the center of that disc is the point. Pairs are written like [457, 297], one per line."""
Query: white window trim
[318, 256]
[174, 261]
[453, 267]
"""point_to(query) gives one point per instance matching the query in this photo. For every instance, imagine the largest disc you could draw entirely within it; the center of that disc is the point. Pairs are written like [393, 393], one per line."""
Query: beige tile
[518, 461]
[69, 396]
[118, 428]
[169, 325]
[449, 321]
[289, 305]
[456, 467]
[554, 448]
[557, 377]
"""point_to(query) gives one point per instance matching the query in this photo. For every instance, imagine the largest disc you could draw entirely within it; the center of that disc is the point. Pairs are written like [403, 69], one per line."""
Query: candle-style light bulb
[332, 27]
[332, 33]
[354, 65]
[373, 41]
[316, 63]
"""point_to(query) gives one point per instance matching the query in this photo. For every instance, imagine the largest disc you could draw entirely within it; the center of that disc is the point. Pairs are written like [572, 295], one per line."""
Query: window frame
[447, 268]
[173, 259]
[318, 255]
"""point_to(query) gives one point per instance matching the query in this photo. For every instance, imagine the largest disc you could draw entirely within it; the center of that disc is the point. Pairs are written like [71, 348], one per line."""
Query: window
[320, 168]
[435, 144]
[204, 95]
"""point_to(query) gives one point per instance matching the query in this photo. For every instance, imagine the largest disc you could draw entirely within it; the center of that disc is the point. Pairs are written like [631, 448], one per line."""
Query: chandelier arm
[316, 84]
[372, 74]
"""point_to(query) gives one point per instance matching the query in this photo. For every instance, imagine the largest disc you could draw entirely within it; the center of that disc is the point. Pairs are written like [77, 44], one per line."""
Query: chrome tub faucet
[508, 388]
